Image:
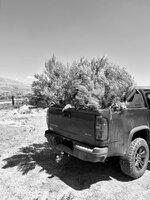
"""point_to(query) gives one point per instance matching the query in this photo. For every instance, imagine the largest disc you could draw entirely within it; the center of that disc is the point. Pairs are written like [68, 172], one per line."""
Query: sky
[31, 31]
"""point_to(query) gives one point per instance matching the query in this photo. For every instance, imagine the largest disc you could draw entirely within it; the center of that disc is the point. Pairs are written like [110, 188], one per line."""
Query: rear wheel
[135, 162]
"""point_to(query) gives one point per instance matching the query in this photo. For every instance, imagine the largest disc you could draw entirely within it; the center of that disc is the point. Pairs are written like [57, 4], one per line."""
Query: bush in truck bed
[84, 84]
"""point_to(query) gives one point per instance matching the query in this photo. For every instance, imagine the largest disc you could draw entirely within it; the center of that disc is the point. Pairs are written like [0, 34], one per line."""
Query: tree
[84, 84]
[47, 87]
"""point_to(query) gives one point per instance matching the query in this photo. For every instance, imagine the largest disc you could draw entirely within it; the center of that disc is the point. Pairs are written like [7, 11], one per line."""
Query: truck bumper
[95, 154]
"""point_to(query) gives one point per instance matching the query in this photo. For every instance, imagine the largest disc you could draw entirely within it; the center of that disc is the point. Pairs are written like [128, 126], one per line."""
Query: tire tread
[127, 162]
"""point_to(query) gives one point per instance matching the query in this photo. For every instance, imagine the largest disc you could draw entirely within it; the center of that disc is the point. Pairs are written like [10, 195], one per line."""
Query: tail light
[101, 128]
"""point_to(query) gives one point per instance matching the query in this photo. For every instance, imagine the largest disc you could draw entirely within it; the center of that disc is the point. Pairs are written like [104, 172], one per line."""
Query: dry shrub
[85, 84]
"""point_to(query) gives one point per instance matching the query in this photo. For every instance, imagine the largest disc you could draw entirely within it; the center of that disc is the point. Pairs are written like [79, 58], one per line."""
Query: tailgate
[73, 124]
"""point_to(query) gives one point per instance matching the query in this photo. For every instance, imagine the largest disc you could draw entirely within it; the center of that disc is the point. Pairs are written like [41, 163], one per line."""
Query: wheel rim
[140, 158]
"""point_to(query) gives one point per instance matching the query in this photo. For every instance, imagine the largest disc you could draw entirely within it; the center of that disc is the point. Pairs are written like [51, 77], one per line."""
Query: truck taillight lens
[101, 128]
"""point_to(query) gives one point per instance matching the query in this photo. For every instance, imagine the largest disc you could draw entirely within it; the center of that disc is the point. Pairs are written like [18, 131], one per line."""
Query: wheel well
[142, 134]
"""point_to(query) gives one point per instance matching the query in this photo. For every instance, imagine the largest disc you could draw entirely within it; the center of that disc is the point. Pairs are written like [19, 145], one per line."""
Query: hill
[10, 87]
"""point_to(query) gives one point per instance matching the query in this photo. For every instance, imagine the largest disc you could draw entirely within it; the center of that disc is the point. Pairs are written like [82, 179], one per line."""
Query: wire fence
[13, 103]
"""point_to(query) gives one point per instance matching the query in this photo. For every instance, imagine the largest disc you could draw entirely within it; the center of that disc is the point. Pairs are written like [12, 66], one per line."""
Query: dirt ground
[30, 170]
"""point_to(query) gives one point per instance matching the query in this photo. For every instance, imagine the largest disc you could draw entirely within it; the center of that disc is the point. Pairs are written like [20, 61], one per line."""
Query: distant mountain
[10, 87]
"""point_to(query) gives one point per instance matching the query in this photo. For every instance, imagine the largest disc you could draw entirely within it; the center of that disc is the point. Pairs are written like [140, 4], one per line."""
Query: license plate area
[68, 143]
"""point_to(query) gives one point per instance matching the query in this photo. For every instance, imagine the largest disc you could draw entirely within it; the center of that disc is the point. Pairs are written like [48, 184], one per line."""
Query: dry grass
[29, 171]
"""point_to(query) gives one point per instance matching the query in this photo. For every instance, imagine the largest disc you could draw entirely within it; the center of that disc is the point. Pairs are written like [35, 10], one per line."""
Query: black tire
[135, 162]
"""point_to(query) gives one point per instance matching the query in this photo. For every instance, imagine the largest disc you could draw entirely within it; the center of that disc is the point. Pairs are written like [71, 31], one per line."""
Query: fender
[137, 129]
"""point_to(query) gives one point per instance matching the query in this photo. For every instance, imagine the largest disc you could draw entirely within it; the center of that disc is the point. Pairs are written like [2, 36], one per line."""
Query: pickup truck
[96, 135]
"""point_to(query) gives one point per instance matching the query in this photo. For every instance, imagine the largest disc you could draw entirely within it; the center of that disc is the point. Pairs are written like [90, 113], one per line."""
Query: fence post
[13, 101]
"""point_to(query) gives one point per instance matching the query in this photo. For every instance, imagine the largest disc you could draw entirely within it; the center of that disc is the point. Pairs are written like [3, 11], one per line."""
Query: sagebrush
[85, 84]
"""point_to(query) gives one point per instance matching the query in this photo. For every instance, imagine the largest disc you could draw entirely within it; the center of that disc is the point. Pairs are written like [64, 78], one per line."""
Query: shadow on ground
[76, 173]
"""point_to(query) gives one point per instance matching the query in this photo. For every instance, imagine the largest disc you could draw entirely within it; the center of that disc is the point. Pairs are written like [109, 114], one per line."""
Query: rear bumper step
[80, 151]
